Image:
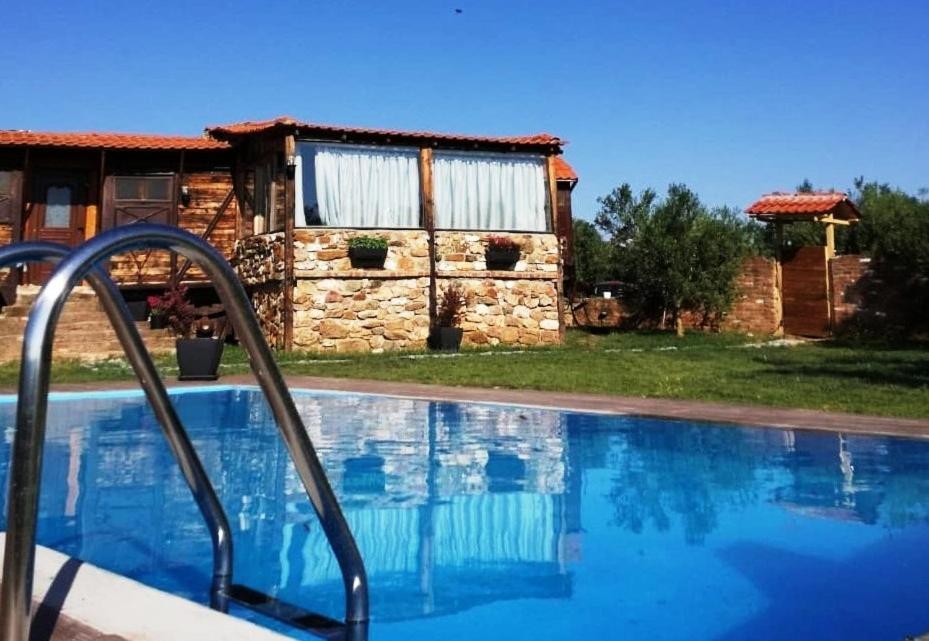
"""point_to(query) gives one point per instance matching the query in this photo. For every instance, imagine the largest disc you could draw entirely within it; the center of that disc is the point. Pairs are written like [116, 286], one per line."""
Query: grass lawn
[866, 379]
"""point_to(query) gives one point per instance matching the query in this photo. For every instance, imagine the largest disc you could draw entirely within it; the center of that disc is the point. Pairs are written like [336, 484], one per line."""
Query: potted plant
[445, 334]
[367, 251]
[502, 252]
[158, 317]
[198, 351]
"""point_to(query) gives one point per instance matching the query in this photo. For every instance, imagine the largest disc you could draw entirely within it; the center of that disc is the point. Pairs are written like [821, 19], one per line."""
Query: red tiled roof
[803, 204]
[93, 140]
[564, 171]
[285, 123]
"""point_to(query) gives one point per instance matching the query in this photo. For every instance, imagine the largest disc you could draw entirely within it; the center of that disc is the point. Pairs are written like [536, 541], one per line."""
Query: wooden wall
[208, 190]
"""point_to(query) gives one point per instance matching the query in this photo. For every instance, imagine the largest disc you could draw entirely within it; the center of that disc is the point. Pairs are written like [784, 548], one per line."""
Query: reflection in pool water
[510, 522]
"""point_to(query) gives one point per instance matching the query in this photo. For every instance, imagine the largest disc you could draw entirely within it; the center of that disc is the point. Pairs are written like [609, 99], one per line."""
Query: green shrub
[367, 242]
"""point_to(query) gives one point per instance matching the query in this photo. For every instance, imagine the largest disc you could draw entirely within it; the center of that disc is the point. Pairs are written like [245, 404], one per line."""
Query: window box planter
[446, 339]
[367, 257]
[501, 257]
[138, 310]
[198, 358]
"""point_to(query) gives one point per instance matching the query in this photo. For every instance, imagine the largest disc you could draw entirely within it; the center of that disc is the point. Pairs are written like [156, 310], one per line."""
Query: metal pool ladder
[31, 414]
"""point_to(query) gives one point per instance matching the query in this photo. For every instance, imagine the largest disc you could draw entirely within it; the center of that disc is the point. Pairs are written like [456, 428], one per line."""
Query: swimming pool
[491, 522]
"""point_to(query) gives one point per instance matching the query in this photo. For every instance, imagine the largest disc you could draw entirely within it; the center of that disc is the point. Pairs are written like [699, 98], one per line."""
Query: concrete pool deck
[74, 601]
[751, 415]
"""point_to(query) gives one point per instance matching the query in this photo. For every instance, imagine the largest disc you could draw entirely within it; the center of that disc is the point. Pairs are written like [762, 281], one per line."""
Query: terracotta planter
[446, 339]
[501, 258]
[367, 257]
[198, 358]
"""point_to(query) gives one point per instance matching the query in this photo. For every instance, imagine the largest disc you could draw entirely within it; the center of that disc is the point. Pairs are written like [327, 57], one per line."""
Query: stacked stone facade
[259, 261]
[338, 307]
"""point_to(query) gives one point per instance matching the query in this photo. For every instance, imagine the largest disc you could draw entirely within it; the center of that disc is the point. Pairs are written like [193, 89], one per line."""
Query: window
[142, 199]
[6, 196]
[356, 186]
[57, 207]
[502, 192]
[157, 188]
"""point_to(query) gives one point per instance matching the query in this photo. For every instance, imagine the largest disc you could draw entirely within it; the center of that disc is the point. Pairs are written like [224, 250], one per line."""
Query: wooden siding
[207, 192]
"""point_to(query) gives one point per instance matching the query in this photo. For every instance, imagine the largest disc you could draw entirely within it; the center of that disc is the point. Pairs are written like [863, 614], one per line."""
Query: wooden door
[806, 292]
[57, 214]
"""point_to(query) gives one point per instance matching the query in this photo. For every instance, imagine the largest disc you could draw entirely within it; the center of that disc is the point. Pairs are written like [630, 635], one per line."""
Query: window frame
[406, 149]
[169, 177]
[549, 227]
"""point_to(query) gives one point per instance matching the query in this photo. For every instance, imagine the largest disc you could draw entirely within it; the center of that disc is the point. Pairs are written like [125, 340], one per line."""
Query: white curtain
[353, 186]
[504, 192]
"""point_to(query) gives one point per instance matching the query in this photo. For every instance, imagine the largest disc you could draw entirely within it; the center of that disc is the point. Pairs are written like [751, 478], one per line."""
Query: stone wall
[847, 278]
[462, 253]
[341, 308]
[513, 307]
[508, 311]
[757, 308]
[259, 261]
[361, 314]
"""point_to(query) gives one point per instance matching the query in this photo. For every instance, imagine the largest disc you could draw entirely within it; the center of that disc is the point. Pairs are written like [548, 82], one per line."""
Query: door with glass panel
[57, 214]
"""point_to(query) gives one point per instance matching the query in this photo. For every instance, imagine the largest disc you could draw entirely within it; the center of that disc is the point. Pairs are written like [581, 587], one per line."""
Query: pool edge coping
[673, 409]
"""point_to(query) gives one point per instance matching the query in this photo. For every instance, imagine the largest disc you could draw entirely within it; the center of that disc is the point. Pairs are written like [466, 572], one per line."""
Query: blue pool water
[480, 521]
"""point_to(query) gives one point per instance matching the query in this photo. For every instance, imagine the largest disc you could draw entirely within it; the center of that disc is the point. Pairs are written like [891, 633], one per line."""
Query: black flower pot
[138, 309]
[498, 258]
[198, 358]
[159, 321]
[367, 257]
[446, 339]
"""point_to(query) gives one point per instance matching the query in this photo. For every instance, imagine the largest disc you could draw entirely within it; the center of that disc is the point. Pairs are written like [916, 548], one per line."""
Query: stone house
[282, 199]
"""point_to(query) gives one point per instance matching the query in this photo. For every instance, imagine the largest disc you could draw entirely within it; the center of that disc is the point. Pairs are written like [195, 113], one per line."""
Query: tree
[894, 231]
[677, 255]
[591, 254]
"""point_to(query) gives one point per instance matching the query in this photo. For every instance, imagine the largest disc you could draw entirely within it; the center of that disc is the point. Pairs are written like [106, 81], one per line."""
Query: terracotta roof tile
[564, 171]
[802, 203]
[285, 123]
[94, 140]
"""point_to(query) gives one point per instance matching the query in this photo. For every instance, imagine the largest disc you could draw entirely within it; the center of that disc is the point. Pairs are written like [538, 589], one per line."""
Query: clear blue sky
[734, 98]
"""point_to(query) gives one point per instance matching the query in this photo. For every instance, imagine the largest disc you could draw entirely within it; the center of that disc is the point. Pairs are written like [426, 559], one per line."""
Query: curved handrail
[138, 356]
[28, 442]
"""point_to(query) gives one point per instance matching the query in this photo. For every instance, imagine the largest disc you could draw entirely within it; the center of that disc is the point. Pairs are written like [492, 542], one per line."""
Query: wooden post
[830, 241]
[290, 149]
[552, 187]
[25, 199]
[427, 202]
[175, 215]
[779, 271]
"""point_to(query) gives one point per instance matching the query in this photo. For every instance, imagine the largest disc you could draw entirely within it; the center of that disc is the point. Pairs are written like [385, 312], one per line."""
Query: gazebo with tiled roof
[827, 207]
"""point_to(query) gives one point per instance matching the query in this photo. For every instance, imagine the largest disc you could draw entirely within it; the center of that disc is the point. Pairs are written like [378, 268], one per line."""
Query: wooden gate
[805, 292]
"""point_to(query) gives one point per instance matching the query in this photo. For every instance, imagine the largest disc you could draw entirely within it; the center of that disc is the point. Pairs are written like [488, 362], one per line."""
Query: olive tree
[677, 254]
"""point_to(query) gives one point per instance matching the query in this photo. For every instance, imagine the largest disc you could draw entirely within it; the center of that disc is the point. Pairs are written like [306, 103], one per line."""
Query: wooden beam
[208, 231]
[290, 149]
[427, 204]
[552, 183]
